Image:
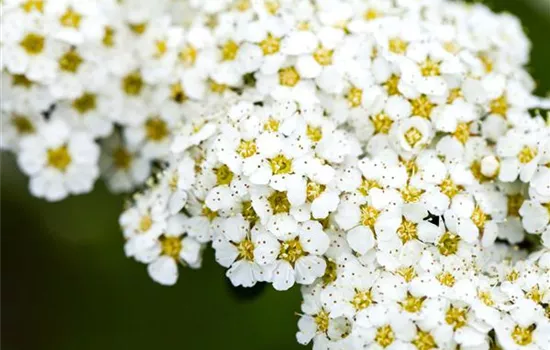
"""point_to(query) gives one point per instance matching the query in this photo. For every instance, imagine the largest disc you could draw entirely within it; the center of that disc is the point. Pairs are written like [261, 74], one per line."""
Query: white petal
[164, 270]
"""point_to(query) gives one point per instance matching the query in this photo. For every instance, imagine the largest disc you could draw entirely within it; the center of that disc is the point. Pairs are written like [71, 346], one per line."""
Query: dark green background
[66, 284]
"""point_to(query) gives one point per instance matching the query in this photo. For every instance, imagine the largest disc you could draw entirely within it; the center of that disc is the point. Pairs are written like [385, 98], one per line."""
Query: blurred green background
[66, 284]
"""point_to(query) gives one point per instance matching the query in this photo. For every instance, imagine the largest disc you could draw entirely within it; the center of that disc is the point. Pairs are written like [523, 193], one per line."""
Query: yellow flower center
[229, 50]
[21, 80]
[422, 106]
[217, 87]
[486, 298]
[408, 273]
[446, 279]
[487, 62]
[246, 250]
[246, 149]
[371, 14]
[456, 317]
[270, 45]
[33, 43]
[448, 243]
[291, 251]
[451, 47]
[303, 25]
[272, 6]
[322, 320]
[70, 61]
[362, 299]
[161, 48]
[535, 294]
[22, 124]
[209, 213]
[70, 19]
[413, 136]
[449, 188]
[354, 97]
[145, 223]
[527, 154]
[412, 304]
[523, 336]
[367, 185]
[384, 336]
[122, 159]
[59, 158]
[211, 21]
[392, 85]
[454, 94]
[499, 106]
[407, 231]
[132, 84]
[330, 274]
[224, 175]
[242, 5]
[314, 190]
[279, 202]
[171, 246]
[280, 165]
[31, 5]
[430, 68]
[424, 341]
[411, 194]
[323, 56]
[314, 134]
[462, 132]
[397, 46]
[85, 103]
[410, 165]
[248, 212]
[271, 125]
[382, 123]
[479, 217]
[512, 276]
[138, 28]
[108, 37]
[177, 94]
[188, 55]
[369, 215]
[288, 77]
[156, 129]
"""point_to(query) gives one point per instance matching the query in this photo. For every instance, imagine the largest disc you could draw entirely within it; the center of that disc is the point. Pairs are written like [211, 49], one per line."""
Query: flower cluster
[383, 154]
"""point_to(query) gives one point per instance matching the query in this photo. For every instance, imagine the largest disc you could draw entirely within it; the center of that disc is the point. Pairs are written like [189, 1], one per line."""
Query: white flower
[520, 154]
[129, 97]
[235, 246]
[123, 167]
[143, 222]
[26, 47]
[317, 324]
[17, 124]
[154, 135]
[287, 84]
[381, 326]
[75, 21]
[294, 258]
[516, 335]
[411, 135]
[169, 249]
[58, 161]
[19, 93]
[87, 112]
[75, 73]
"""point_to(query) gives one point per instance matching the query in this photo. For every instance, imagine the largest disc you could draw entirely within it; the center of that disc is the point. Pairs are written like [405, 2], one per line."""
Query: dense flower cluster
[380, 153]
